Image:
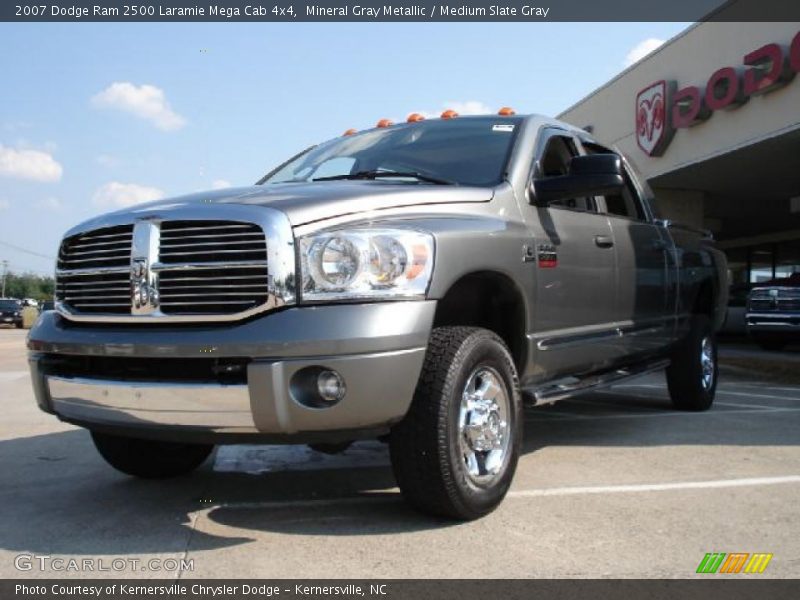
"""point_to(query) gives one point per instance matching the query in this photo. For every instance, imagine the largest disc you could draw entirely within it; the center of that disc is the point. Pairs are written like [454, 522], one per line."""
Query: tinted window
[466, 150]
[555, 162]
[9, 305]
[626, 203]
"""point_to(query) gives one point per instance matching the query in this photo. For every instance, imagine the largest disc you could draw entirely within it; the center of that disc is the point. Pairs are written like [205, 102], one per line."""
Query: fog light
[331, 386]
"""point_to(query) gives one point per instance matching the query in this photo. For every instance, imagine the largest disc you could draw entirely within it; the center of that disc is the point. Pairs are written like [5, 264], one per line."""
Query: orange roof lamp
[415, 118]
[350, 132]
[384, 123]
[449, 114]
[506, 111]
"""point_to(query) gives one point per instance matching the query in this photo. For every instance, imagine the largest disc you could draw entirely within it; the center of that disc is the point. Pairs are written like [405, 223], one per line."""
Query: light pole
[5, 273]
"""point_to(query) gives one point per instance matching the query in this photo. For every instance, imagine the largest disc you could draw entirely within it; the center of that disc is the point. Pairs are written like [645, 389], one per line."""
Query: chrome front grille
[775, 300]
[93, 271]
[185, 269]
[215, 267]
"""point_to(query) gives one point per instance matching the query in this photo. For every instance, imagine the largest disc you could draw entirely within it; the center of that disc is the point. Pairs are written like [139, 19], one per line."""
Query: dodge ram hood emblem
[654, 129]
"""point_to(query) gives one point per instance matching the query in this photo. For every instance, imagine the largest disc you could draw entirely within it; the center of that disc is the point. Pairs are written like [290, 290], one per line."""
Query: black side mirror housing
[589, 175]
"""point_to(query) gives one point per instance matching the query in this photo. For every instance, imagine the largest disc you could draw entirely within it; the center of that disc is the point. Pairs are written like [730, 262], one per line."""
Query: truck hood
[308, 202]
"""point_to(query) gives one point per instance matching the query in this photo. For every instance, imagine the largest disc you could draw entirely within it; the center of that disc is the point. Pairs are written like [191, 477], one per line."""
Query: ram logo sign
[653, 129]
[735, 562]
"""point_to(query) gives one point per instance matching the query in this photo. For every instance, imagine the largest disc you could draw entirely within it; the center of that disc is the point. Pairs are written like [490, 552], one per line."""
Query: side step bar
[553, 392]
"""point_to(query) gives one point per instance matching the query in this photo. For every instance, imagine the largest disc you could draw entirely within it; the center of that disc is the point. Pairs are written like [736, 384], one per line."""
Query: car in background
[773, 312]
[47, 305]
[10, 312]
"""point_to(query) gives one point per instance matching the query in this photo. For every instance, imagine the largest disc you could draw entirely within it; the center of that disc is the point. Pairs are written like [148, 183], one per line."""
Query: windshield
[9, 305]
[464, 151]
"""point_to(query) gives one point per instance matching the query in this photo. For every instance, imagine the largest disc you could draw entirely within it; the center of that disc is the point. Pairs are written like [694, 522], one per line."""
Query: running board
[553, 392]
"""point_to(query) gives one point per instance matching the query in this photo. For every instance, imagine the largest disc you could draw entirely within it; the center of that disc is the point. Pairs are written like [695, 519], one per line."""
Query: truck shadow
[59, 497]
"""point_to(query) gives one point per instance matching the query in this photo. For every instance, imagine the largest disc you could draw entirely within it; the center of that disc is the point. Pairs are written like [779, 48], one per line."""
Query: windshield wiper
[377, 174]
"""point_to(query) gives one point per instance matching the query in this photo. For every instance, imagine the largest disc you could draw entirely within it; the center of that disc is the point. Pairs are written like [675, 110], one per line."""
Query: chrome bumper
[773, 322]
[380, 360]
[380, 387]
[215, 407]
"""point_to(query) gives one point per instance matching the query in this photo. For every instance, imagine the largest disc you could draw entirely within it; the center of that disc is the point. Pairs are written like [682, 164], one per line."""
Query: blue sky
[97, 116]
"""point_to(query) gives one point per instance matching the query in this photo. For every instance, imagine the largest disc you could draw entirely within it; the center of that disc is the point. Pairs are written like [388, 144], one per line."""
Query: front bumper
[777, 324]
[377, 348]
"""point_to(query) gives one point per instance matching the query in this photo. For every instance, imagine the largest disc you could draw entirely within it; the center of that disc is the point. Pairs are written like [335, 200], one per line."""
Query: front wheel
[692, 374]
[150, 459]
[455, 452]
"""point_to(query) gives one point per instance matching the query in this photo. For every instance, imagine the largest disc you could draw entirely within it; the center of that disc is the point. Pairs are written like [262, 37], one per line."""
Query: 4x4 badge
[548, 257]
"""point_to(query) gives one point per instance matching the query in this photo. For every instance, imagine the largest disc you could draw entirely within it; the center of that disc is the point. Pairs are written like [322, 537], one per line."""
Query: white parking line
[655, 487]
[753, 406]
[721, 390]
[716, 413]
[767, 396]
[771, 387]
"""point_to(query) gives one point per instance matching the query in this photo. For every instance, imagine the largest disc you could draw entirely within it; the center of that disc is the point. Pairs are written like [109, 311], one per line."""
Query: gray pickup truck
[414, 283]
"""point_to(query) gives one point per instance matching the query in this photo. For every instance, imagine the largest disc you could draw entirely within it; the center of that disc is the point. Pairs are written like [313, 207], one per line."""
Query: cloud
[107, 160]
[29, 164]
[145, 101]
[50, 203]
[4, 204]
[116, 194]
[642, 49]
[219, 184]
[469, 107]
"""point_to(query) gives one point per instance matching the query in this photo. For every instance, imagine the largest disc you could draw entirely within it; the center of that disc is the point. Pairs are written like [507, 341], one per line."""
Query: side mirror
[589, 175]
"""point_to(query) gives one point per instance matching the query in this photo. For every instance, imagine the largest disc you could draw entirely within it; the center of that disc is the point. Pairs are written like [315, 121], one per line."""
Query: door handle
[603, 241]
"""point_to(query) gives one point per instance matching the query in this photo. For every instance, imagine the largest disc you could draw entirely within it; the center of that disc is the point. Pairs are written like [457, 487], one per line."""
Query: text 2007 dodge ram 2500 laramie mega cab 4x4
[413, 282]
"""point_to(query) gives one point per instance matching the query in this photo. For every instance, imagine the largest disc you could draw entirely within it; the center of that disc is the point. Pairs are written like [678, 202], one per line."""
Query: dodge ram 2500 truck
[414, 282]
[773, 312]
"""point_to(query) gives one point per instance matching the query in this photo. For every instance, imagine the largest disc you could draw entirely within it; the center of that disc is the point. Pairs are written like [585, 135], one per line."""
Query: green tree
[29, 285]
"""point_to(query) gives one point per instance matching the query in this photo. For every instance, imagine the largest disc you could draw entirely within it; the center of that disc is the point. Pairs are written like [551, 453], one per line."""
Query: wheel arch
[491, 300]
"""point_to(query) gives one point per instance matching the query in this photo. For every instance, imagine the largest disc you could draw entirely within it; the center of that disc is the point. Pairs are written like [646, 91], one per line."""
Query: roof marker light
[506, 111]
[414, 118]
[384, 123]
[449, 114]
[350, 132]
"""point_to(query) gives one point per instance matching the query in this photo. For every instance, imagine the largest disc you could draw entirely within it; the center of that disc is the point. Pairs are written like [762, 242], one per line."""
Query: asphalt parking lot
[614, 484]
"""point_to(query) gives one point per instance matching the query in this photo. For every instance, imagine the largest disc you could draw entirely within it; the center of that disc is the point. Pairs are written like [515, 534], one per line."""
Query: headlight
[366, 263]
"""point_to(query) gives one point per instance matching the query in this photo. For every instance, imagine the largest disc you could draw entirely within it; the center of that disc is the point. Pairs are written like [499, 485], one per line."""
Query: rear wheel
[150, 459]
[455, 452]
[692, 374]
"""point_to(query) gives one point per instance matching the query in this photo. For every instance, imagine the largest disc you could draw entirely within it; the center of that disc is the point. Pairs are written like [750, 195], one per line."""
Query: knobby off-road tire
[455, 452]
[150, 459]
[693, 372]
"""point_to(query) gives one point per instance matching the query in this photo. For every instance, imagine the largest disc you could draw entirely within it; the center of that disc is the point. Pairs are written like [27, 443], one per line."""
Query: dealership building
[712, 120]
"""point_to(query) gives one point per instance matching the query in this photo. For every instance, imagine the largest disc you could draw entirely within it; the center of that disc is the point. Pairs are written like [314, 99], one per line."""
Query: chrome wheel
[707, 362]
[484, 433]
